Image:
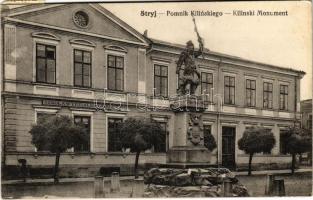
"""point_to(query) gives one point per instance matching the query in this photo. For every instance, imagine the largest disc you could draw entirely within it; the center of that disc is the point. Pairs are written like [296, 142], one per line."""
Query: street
[299, 184]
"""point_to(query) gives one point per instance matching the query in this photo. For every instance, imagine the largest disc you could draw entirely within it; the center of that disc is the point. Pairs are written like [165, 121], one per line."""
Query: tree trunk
[293, 163]
[56, 167]
[136, 164]
[250, 161]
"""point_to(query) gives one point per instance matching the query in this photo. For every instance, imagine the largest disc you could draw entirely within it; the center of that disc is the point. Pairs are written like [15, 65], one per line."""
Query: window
[115, 73]
[282, 142]
[267, 95]
[160, 81]
[283, 97]
[250, 93]
[44, 116]
[229, 90]
[114, 135]
[45, 63]
[269, 130]
[82, 68]
[83, 146]
[161, 147]
[309, 123]
[206, 84]
[206, 133]
[81, 19]
[40, 117]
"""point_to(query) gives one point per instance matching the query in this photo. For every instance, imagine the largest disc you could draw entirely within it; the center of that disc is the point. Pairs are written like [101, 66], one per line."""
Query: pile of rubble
[208, 182]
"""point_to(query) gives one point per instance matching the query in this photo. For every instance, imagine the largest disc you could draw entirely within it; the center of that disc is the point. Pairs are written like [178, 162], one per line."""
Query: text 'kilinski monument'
[212, 13]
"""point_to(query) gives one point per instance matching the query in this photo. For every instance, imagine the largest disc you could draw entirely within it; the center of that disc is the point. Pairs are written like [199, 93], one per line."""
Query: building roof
[307, 101]
[209, 52]
[32, 8]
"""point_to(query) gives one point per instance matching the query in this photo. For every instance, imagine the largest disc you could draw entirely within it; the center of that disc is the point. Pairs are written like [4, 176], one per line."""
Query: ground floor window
[206, 133]
[282, 142]
[43, 116]
[270, 152]
[309, 123]
[114, 135]
[83, 146]
[40, 117]
[162, 146]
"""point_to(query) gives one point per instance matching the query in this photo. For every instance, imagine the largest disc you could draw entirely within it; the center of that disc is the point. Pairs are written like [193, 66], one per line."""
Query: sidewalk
[62, 180]
[91, 179]
[284, 171]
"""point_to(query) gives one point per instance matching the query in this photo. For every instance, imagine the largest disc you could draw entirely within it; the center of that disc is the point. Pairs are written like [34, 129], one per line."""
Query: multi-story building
[59, 59]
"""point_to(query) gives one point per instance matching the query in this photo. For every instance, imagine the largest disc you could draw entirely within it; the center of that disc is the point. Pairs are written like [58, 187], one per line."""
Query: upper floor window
[250, 92]
[283, 97]
[82, 68]
[268, 95]
[115, 73]
[45, 63]
[160, 81]
[206, 84]
[229, 90]
[81, 19]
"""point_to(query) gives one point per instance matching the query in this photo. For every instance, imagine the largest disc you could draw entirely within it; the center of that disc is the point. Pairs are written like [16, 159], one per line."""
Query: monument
[188, 172]
[188, 149]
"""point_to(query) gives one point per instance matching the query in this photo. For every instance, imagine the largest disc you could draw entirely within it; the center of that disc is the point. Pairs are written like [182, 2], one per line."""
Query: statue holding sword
[189, 76]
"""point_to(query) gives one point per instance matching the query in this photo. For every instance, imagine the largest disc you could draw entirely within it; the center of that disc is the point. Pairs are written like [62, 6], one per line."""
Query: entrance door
[228, 147]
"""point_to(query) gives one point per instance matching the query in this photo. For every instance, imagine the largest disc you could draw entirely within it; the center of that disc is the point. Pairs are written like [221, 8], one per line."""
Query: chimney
[145, 33]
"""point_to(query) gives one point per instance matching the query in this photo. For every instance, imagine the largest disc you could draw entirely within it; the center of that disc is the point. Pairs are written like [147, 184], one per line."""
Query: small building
[81, 60]
[306, 122]
[306, 112]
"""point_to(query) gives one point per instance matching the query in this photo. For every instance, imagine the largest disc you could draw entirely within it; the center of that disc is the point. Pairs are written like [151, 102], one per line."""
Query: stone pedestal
[188, 149]
[188, 154]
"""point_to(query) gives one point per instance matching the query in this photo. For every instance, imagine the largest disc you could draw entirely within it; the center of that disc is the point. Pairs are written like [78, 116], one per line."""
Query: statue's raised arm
[200, 40]
[200, 51]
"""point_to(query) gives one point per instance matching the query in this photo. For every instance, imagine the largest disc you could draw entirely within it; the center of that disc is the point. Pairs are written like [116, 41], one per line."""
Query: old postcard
[156, 99]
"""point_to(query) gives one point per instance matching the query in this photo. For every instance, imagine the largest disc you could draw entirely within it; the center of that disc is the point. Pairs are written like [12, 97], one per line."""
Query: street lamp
[219, 109]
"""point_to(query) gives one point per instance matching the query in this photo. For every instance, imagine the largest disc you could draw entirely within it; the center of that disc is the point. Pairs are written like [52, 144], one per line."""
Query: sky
[285, 41]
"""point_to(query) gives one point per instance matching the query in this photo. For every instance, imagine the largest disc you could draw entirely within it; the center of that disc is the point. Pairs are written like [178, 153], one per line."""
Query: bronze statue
[189, 79]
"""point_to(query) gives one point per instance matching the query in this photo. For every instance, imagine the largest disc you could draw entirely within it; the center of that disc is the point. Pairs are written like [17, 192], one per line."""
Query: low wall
[263, 162]
[40, 165]
[84, 159]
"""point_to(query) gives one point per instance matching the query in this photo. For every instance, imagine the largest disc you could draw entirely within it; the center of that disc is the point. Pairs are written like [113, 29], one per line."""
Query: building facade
[81, 60]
